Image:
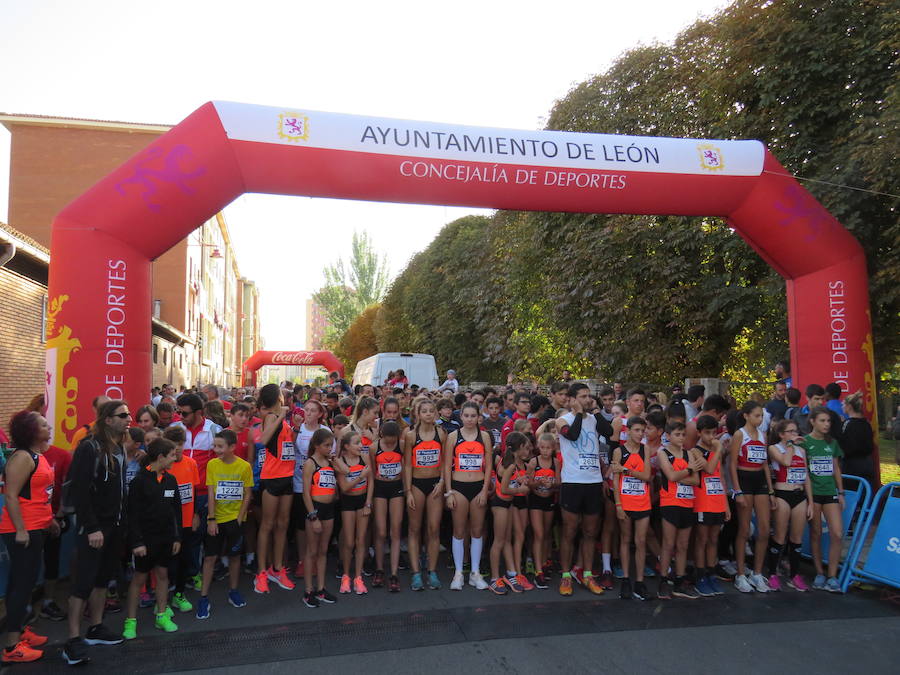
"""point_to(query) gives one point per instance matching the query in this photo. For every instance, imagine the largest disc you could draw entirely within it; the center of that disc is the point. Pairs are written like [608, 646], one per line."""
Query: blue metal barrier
[882, 559]
[857, 497]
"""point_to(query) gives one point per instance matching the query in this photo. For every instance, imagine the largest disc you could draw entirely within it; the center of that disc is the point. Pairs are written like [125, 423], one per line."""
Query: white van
[419, 369]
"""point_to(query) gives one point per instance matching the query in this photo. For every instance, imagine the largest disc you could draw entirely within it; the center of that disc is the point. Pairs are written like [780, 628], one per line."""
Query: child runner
[710, 505]
[319, 494]
[364, 421]
[230, 482]
[679, 474]
[424, 489]
[467, 473]
[753, 492]
[185, 471]
[543, 471]
[388, 462]
[276, 480]
[313, 419]
[632, 471]
[445, 412]
[354, 472]
[154, 532]
[789, 466]
[508, 516]
[825, 492]
[494, 421]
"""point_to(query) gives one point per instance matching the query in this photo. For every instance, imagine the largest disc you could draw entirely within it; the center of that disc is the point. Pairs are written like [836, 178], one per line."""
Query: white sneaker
[742, 584]
[729, 567]
[758, 581]
[457, 583]
[476, 580]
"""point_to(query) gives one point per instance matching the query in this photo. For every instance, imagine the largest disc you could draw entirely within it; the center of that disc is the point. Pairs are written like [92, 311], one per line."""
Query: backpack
[65, 501]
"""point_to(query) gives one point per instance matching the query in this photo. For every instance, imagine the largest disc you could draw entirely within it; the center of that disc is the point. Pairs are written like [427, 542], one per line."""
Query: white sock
[475, 552]
[458, 553]
[607, 561]
[511, 574]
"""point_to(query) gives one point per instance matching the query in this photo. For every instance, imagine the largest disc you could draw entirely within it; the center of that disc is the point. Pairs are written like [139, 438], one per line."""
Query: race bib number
[427, 457]
[326, 479]
[469, 461]
[756, 454]
[821, 466]
[186, 493]
[604, 453]
[588, 461]
[229, 490]
[796, 475]
[260, 455]
[287, 451]
[389, 470]
[713, 485]
[353, 475]
[684, 491]
[633, 487]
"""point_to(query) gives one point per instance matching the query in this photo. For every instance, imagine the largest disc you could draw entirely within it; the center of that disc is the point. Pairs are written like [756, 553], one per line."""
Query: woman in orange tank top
[26, 517]
[388, 462]
[544, 484]
[424, 489]
[319, 496]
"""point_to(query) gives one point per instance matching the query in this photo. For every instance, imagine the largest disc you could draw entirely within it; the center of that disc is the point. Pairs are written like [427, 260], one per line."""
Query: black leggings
[24, 566]
[184, 564]
[51, 557]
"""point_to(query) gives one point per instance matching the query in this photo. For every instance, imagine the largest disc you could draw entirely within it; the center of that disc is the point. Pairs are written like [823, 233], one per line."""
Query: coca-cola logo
[294, 358]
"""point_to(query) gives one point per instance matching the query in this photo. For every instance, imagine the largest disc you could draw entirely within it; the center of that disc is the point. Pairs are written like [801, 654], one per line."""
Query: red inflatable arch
[103, 242]
[265, 358]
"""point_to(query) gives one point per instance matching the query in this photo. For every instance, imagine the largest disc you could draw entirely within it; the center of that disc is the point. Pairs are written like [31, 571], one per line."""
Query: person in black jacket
[96, 480]
[154, 531]
[857, 441]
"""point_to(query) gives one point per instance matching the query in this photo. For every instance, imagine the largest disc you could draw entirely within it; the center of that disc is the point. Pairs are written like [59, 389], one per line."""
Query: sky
[494, 64]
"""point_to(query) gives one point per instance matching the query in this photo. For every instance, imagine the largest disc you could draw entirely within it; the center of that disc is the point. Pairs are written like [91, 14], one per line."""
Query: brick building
[204, 315]
[316, 323]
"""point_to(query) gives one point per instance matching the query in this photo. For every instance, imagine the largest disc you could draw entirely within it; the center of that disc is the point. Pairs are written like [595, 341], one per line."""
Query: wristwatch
[447, 494]
[313, 515]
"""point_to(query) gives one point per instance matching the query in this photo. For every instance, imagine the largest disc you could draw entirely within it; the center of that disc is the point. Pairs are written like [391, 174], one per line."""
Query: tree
[358, 341]
[348, 291]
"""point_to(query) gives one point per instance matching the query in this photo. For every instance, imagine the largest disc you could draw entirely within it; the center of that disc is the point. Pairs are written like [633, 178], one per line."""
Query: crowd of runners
[523, 491]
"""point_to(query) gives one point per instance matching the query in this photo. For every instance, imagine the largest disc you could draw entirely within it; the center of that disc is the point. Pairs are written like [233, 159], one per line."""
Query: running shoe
[129, 632]
[339, 570]
[403, 563]
[280, 577]
[729, 568]
[197, 582]
[684, 589]
[649, 572]
[498, 586]
[220, 571]
[164, 622]
[112, 605]
[513, 584]
[524, 583]
[704, 587]
[345, 584]
[146, 600]
[21, 653]
[368, 565]
[714, 583]
[530, 569]
[75, 652]
[664, 592]
[742, 583]
[540, 581]
[593, 585]
[721, 573]
[261, 583]
[310, 600]
[235, 599]
[476, 580]
[393, 584]
[378, 579]
[203, 608]
[565, 586]
[832, 585]
[324, 596]
[52, 611]
[797, 583]
[774, 583]
[416, 583]
[32, 639]
[758, 581]
[578, 575]
[434, 582]
[818, 583]
[101, 635]
[298, 570]
[547, 567]
[606, 580]
[618, 572]
[457, 583]
[625, 590]
[181, 603]
[640, 591]
[359, 586]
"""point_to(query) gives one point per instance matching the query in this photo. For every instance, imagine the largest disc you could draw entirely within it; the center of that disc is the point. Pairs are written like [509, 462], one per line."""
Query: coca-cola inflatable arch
[305, 358]
[103, 242]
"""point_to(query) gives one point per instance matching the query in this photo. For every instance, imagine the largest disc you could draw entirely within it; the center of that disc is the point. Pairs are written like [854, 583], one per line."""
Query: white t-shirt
[581, 458]
[301, 453]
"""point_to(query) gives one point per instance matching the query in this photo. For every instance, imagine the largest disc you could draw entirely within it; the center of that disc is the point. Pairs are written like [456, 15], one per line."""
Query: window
[181, 360]
[155, 352]
[165, 355]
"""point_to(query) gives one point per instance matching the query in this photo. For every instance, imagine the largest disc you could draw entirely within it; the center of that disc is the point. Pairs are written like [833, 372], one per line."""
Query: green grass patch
[890, 470]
